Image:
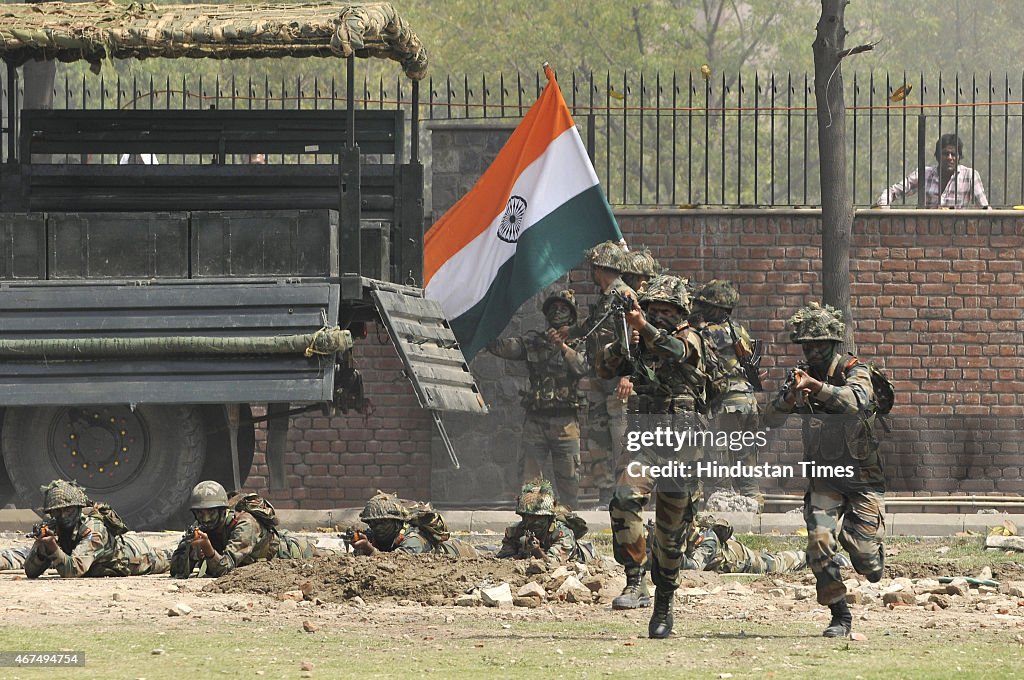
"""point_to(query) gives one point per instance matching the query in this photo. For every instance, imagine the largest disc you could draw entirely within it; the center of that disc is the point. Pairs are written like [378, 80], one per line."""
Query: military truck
[147, 309]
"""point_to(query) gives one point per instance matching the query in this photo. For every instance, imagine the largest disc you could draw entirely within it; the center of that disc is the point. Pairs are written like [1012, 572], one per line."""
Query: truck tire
[218, 445]
[143, 462]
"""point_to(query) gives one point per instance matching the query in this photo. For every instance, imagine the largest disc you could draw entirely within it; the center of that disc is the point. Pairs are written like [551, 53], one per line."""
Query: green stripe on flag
[545, 251]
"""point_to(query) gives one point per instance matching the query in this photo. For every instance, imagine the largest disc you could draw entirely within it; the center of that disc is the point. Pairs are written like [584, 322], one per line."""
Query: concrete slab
[311, 520]
[18, 519]
[783, 522]
[922, 524]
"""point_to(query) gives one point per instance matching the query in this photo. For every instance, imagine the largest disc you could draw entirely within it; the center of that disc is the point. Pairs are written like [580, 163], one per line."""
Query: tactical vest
[664, 385]
[844, 439]
[553, 387]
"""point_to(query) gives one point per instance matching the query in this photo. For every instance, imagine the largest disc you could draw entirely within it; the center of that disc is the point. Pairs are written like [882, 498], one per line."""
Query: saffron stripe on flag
[560, 174]
[546, 120]
[545, 252]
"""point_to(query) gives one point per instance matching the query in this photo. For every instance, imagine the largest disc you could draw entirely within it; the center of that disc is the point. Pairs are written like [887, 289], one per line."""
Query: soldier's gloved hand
[534, 546]
[202, 544]
[47, 545]
[363, 547]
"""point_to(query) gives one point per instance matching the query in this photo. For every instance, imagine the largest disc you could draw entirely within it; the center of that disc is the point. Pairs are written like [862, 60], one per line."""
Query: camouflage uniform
[536, 505]
[669, 384]
[238, 538]
[607, 417]
[838, 429]
[240, 541]
[711, 547]
[418, 531]
[93, 550]
[736, 409]
[13, 558]
[94, 542]
[552, 403]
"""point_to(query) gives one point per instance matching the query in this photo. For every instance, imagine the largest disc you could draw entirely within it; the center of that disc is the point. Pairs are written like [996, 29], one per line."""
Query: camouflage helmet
[815, 322]
[384, 506]
[208, 494]
[640, 263]
[536, 498]
[718, 292]
[666, 288]
[62, 494]
[608, 255]
[566, 296]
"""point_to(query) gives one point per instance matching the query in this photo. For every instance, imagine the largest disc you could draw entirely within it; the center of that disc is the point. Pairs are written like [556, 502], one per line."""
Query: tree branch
[867, 47]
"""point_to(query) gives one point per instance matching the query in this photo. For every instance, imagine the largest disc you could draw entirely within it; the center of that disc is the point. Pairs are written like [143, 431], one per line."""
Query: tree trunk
[836, 202]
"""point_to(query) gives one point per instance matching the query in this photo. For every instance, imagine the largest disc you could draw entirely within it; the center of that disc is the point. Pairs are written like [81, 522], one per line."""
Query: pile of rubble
[574, 583]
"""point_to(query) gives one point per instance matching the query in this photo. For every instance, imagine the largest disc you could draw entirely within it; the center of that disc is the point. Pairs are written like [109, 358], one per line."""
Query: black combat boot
[660, 626]
[876, 576]
[841, 622]
[635, 595]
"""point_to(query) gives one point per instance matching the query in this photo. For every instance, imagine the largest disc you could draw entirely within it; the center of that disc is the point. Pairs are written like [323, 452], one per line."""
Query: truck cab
[157, 287]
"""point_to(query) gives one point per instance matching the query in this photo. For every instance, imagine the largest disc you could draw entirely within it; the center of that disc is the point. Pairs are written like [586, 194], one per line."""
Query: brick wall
[341, 461]
[937, 298]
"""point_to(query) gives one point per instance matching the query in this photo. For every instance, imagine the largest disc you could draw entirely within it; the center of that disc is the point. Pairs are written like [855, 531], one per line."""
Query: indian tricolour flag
[523, 225]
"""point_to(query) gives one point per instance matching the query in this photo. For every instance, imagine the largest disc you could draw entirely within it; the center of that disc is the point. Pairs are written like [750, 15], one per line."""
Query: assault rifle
[351, 536]
[750, 361]
[790, 382]
[43, 529]
[618, 306]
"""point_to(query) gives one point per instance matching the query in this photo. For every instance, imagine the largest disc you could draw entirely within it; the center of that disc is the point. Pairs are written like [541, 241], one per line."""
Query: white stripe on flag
[562, 172]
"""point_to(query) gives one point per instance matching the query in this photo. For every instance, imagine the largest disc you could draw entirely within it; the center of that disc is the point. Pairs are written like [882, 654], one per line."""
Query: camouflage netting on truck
[94, 31]
[325, 342]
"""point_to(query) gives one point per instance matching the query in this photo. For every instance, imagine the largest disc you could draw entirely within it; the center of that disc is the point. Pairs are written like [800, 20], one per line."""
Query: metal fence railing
[743, 139]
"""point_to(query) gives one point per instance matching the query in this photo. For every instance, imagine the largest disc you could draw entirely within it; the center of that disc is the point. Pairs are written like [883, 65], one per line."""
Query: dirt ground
[351, 606]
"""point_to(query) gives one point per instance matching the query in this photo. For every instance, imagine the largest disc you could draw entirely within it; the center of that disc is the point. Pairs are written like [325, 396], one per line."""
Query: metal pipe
[942, 501]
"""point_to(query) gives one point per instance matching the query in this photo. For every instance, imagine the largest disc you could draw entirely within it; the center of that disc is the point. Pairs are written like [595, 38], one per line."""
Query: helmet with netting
[62, 494]
[719, 293]
[816, 322]
[566, 296]
[384, 506]
[208, 494]
[536, 498]
[640, 263]
[666, 288]
[608, 255]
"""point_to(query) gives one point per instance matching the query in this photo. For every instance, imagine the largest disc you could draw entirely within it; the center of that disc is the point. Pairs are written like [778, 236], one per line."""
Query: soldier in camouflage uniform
[90, 540]
[639, 267]
[607, 419]
[396, 528]
[225, 538]
[736, 409]
[667, 371]
[710, 546]
[834, 395]
[553, 399]
[13, 558]
[543, 532]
